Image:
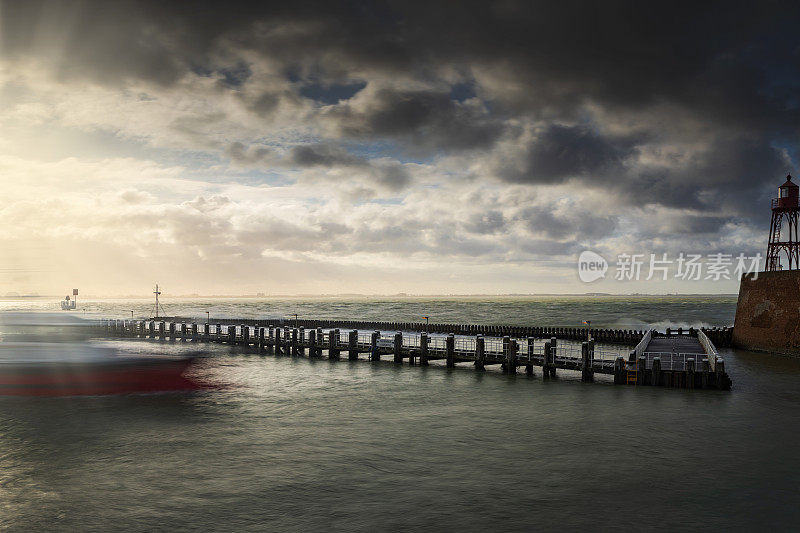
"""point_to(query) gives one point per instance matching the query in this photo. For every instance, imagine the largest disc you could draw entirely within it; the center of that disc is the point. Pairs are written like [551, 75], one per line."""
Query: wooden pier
[685, 359]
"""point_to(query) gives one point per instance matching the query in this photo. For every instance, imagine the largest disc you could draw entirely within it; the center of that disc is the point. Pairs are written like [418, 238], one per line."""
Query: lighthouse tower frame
[784, 240]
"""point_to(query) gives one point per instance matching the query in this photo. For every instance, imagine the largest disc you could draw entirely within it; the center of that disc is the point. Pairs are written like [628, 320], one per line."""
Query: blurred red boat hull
[132, 375]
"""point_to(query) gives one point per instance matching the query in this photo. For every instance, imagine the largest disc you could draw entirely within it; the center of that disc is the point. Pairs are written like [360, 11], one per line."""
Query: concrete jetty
[685, 359]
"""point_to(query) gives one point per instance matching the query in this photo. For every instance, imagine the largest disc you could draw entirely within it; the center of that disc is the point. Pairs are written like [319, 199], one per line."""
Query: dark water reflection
[292, 444]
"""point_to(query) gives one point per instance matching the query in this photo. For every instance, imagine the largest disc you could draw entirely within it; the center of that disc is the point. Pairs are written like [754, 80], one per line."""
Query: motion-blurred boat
[47, 369]
[42, 355]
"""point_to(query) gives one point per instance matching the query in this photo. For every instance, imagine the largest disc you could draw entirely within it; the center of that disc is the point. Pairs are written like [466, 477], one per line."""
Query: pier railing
[709, 347]
[675, 361]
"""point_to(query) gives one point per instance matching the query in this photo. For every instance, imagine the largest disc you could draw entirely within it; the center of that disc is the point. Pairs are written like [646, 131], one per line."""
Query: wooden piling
[270, 340]
[450, 350]
[278, 342]
[352, 345]
[531, 346]
[423, 349]
[333, 344]
[312, 343]
[619, 371]
[506, 349]
[301, 338]
[546, 360]
[641, 370]
[511, 356]
[656, 377]
[232, 335]
[375, 354]
[721, 379]
[480, 353]
[398, 347]
[587, 373]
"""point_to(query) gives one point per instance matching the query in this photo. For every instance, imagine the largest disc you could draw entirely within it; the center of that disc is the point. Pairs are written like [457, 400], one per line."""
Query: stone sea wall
[768, 313]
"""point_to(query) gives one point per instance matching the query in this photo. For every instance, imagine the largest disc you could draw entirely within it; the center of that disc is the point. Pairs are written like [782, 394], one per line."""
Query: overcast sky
[443, 147]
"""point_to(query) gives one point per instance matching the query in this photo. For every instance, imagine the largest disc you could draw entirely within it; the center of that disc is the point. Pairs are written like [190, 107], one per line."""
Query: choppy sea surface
[283, 444]
[622, 312]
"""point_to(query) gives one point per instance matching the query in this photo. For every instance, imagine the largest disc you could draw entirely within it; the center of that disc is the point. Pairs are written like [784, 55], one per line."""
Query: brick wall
[768, 313]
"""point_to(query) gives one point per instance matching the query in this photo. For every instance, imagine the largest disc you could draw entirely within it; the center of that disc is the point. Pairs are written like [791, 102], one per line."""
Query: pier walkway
[676, 358]
[640, 367]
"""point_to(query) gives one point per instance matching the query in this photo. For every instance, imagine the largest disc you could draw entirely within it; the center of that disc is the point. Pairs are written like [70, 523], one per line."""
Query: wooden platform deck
[684, 359]
[674, 351]
[675, 344]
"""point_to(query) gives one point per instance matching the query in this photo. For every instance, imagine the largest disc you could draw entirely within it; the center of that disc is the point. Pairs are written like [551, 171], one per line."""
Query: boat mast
[156, 292]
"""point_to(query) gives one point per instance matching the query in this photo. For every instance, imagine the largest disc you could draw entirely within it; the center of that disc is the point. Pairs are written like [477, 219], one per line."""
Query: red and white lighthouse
[783, 235]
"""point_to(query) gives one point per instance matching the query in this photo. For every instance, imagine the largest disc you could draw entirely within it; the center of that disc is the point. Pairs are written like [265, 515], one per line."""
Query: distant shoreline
[352, 295]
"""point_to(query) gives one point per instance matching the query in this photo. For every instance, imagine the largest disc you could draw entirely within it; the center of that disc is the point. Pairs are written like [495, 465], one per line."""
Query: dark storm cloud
[692, 225]
[731, 61]
[388, 174]
[332, 93]
[728, 177]
[422, 119]
[393, 176]
[459, 77]
[487, 223]
[574, 222]
[323, 155]
[735, 171]
[562, 152]
[248, 156]
[726, 171]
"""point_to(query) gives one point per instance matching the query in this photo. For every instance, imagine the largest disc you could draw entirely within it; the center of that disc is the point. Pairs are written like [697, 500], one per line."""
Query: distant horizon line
[10, 296]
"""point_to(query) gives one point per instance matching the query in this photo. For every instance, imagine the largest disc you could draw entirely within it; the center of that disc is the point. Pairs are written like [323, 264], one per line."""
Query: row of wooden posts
[504, 352]
[721, 336]
[295, 341]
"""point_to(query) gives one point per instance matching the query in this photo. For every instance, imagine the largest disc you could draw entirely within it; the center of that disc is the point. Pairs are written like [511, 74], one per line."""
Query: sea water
[289, 444]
